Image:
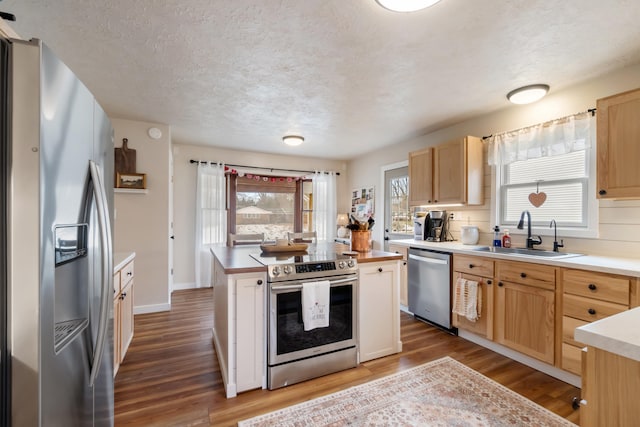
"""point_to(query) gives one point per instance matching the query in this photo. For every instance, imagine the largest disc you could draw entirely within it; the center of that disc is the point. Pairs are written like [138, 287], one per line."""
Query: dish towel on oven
[315, 304]
[467, 299]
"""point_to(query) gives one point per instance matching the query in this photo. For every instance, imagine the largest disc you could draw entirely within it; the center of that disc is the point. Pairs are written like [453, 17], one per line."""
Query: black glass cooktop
[311, 255]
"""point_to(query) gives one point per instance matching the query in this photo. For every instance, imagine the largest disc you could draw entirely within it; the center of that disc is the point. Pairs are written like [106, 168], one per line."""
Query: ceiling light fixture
[292, 140]
[527, 94]
[406, 5]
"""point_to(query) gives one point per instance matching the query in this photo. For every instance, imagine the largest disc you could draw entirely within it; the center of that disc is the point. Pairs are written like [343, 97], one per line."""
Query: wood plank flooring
[171, 377]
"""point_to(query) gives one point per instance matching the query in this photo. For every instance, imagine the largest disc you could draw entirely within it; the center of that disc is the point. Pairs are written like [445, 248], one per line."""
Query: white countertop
[624, 266]
[120, 259]
[618, 334]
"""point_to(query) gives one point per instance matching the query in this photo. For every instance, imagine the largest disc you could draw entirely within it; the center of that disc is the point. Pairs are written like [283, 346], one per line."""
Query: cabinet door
[404, 251]
[525, 319]
[250, 327]
[116, 334]
[449, 180]
[378, 310]
[618, 133]
[126, 318]
[484, 325]
[421, 177]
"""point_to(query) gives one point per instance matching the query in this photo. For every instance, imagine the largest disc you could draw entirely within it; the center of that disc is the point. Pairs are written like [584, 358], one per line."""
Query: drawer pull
[591, 311]
[259, 282]
[129, 273]
[500, 284]
[523, 275]
[489, 282]
[592, 286]
[379, 269]
[471, 265]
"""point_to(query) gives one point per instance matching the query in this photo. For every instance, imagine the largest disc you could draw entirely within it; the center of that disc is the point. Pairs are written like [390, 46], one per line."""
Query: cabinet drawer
[569, 325]
[126, 274]
[477, 266]
[589, 309]
[572, 358]
[596, 285]
[399, 249]
[537, 275]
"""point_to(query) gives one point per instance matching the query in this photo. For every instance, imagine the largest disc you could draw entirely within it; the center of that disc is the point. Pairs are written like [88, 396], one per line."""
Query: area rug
[439, 393]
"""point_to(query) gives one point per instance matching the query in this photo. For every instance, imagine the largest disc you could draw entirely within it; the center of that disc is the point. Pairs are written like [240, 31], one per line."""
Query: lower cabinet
[239, 321]
[404, 251]
[610, 389]
[122, 313]
[379, 310]
[478, 270]
[525, 309]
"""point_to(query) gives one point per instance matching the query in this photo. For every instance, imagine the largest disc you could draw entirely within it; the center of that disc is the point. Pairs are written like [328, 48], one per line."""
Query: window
[549, 170]
[272, 205]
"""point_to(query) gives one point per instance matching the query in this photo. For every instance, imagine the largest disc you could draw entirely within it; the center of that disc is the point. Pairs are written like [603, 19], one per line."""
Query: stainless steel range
[295, 355]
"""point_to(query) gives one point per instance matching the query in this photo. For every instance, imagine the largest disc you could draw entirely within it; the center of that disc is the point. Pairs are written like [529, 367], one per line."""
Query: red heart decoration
[537, 199]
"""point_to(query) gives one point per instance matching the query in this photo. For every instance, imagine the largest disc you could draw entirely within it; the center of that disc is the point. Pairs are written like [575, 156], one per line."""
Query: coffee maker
[436, 226]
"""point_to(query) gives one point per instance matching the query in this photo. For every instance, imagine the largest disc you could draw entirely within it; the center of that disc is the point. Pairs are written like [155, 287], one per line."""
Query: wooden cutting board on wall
[125, 159]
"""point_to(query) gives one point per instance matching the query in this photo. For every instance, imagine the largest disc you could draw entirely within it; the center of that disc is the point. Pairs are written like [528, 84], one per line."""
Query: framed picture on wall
[131, 180]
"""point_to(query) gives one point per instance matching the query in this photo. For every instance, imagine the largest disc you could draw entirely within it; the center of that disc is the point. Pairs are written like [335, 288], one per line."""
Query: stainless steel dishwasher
[430, 286]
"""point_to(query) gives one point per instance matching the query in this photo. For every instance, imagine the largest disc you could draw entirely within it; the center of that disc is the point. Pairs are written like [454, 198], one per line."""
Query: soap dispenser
[497, 241]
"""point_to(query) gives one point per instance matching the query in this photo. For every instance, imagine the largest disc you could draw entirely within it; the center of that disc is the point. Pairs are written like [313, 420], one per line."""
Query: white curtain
[552, 138]
[211, 217]
[324, 205]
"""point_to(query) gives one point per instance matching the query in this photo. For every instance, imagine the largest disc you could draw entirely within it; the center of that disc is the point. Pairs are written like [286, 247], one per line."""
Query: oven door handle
[331, 282]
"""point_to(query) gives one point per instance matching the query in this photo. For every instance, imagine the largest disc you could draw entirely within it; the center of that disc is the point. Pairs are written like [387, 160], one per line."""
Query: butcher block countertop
[238, 259]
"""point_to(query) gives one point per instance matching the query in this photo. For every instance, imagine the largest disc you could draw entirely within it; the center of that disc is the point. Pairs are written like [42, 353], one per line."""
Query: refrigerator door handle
[104, 223]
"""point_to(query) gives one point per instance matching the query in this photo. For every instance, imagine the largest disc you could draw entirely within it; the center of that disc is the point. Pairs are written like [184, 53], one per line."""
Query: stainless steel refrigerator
[56, 289]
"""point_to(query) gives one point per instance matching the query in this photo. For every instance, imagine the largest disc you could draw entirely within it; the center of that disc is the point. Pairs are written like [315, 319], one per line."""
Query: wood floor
[170, 376]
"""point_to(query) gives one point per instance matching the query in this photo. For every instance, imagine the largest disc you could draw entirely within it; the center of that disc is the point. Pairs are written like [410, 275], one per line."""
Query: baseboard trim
[156, 308]
[184, 286]
[558, 373]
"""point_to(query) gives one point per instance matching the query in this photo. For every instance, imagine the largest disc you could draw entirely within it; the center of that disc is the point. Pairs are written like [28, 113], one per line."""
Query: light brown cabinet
[618, 149]
[447, 173]
[525, 308]
[404, 251]
[479, 270]
[122, 313]
[610, 389]
[588, 296]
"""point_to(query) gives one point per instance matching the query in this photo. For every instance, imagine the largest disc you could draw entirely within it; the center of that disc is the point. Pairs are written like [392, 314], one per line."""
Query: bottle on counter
[497, 241]
[506, 239]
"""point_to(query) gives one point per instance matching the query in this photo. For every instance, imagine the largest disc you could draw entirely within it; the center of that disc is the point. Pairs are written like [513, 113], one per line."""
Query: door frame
[383, 192]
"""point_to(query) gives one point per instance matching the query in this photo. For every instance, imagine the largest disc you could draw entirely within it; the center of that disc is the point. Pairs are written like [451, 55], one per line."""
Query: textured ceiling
[348, 75]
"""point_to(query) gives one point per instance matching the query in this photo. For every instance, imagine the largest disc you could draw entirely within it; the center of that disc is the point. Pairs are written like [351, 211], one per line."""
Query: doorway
[397, 214]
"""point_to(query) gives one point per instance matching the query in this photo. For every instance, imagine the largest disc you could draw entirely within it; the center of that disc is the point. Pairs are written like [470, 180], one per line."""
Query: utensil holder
[361, 240]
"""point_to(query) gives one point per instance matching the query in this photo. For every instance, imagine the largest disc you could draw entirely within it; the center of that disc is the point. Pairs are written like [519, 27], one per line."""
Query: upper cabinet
[618, 147]
[449, 173]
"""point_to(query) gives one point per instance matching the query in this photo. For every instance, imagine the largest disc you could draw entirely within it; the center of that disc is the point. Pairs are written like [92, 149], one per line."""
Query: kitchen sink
[526, 252]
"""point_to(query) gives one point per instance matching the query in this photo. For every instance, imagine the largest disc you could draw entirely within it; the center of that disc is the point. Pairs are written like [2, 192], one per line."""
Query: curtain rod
[590, 110]
[258, 167]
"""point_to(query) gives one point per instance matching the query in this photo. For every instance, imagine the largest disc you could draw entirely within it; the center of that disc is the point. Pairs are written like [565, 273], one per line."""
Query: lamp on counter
[342, 220]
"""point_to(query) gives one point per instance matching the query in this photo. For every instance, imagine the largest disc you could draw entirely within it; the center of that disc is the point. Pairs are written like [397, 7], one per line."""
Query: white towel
[315, 304]
[467, 299]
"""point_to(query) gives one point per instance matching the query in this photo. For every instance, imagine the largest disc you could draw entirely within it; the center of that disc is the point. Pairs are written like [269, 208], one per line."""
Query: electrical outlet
[456, 216]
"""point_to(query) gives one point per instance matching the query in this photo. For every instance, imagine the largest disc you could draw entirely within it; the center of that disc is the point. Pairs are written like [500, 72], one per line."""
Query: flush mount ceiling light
[527, 94]
[292, 140]
[406, 5]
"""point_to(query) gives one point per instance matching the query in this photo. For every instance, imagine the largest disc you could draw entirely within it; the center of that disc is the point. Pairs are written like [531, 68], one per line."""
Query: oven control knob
[341, 264]
[287, 269]
[276, 270]
[351, 263]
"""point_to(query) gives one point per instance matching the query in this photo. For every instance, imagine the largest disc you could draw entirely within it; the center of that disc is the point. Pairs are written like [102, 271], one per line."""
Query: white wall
[185, 189]
[142, 220]
[619, 221]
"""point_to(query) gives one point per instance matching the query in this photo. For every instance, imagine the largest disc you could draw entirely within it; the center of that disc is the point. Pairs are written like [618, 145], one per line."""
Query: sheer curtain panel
[211, 217]
[324, 205]
[561, 136]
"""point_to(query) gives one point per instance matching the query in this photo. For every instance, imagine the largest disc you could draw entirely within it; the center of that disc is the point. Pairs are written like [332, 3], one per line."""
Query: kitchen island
[240, 310]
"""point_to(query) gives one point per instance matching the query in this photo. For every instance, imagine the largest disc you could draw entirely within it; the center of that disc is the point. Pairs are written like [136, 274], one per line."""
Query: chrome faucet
[531, 241]
[556, 245]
